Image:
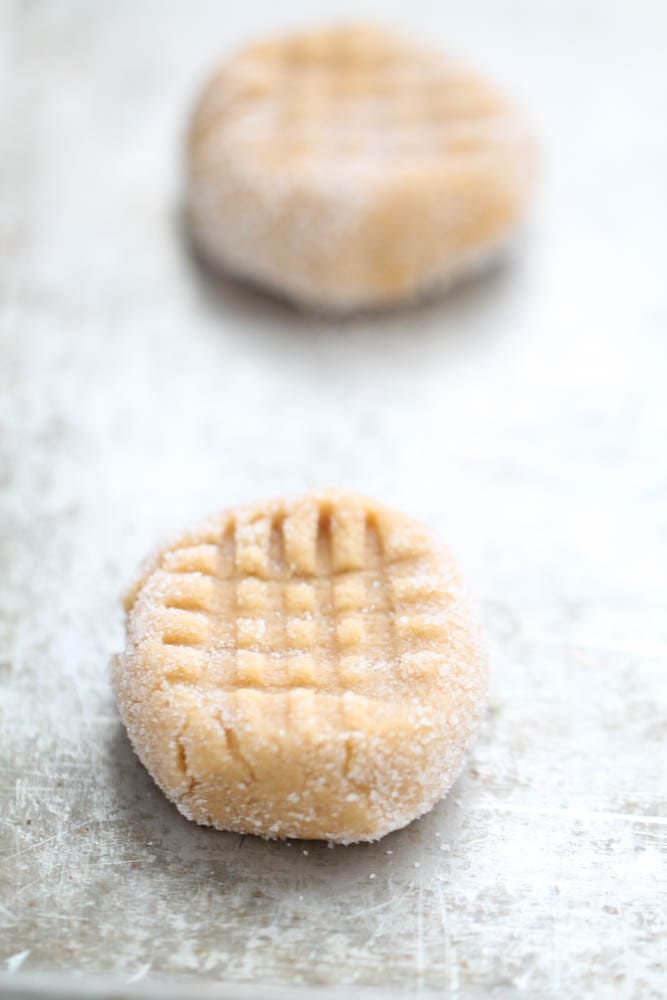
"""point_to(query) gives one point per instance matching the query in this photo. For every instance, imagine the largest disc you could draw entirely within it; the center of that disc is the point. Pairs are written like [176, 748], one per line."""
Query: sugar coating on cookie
[351, 167]
[306, 668]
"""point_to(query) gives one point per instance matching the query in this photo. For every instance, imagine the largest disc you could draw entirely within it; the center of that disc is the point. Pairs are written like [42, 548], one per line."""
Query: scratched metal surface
[524, 417]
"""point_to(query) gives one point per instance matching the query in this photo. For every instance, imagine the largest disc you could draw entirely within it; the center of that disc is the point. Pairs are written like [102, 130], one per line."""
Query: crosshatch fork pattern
[324, 93]
[312, 597]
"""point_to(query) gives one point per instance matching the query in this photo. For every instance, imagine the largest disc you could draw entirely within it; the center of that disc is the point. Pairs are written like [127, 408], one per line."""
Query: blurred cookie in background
[351, 167]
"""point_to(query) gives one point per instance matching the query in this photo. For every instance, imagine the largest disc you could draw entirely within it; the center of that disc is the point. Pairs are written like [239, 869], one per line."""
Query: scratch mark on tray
[451, 956]
[592, 814]
[365, 910]
[29, 848]
[140, 973]
[384, 922]
[24, 888]
[102, 864]
[420, 932]
[50, 915]
[15, 962]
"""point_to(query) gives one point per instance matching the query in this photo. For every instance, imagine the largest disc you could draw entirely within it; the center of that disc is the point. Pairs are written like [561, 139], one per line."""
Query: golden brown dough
[302, 669]
[352, 167]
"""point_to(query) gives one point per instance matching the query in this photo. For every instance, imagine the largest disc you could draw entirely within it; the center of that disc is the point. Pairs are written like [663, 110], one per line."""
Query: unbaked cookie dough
[305, 668]
[352, 167]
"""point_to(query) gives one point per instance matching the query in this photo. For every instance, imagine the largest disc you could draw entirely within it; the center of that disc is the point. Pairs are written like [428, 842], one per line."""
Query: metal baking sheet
[523, 416]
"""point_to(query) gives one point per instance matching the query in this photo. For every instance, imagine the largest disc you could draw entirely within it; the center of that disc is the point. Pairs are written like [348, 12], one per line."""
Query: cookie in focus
[306, 668]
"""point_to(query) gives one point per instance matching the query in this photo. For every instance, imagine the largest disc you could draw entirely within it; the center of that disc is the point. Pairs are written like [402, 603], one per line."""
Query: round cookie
[351, 167]
[304, 668]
